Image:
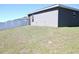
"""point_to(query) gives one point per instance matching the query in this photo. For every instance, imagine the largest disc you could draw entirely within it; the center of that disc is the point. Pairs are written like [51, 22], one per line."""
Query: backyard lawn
[36, 40]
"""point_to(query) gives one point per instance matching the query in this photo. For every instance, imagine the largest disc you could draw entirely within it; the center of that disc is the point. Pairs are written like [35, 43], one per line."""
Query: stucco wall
[67, 18]
[49, 18]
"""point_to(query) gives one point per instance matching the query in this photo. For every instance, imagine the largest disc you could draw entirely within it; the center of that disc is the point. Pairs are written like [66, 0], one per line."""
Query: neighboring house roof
[54, 6]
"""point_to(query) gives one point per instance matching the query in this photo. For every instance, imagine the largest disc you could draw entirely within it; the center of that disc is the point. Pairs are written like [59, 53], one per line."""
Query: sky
[15, 11]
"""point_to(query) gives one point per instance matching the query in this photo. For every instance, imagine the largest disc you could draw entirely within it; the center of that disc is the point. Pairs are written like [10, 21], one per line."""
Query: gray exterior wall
[67, 18]
[49, 18]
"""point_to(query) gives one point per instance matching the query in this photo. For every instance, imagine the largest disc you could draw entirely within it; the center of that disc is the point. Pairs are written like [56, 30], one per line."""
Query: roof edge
[54, 6]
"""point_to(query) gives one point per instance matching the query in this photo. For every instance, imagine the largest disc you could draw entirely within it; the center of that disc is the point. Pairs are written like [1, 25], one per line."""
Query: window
[32, 19]
[74, 13]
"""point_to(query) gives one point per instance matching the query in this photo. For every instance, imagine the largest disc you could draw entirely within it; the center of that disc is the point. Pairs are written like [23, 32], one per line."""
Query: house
[55, 16]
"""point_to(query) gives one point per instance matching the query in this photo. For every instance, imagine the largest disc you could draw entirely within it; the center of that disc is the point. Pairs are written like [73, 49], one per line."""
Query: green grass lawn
[28, 39]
